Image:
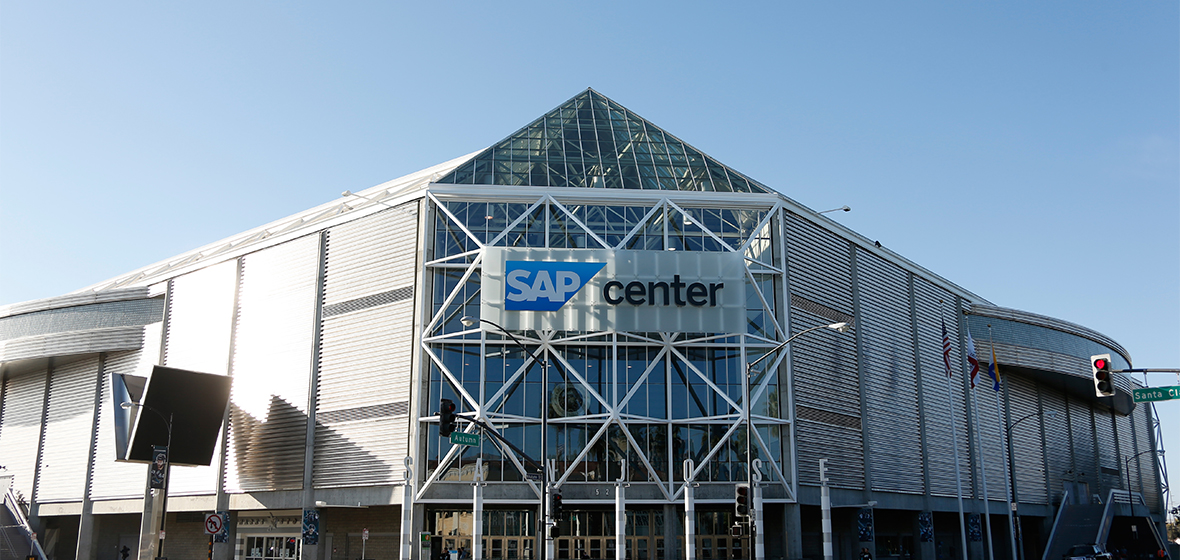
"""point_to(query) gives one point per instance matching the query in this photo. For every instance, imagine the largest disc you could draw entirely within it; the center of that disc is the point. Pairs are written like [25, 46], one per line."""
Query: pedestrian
[864, 554]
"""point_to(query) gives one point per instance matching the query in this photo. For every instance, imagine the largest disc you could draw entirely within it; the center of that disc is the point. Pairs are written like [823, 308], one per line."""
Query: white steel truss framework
[599, 404]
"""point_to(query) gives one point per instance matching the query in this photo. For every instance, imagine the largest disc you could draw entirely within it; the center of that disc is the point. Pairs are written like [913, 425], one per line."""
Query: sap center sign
[601, 289]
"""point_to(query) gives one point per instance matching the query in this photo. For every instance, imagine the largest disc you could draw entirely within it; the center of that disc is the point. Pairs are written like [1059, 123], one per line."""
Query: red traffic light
[446, 417]
[1103, 386]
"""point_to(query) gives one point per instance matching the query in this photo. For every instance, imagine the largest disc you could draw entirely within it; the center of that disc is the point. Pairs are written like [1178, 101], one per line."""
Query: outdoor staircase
[1092, 524]
[16, 538]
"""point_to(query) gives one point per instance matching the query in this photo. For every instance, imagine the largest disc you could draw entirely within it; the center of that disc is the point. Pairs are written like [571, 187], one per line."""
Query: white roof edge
[283, 228]
[1046, 321]
[871, 247]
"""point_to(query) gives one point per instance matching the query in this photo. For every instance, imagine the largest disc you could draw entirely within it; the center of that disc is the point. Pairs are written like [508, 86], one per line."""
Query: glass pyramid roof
[591, 141]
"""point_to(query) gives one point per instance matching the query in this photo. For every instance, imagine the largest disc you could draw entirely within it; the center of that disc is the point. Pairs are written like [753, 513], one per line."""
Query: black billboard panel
[194, 401]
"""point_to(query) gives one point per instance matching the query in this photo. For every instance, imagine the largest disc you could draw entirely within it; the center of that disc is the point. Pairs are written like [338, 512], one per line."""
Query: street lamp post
[838, 327]
[1127, 469]
[1012, 478]
[547, 539]
[167, 469]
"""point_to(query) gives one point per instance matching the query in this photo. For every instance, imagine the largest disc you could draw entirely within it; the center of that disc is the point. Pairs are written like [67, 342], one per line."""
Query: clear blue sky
[1026, 151]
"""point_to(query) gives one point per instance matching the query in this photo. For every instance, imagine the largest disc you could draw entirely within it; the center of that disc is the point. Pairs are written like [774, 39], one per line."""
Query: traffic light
[1103, 384]
[555, 510]
[446, 418]
[742, 500]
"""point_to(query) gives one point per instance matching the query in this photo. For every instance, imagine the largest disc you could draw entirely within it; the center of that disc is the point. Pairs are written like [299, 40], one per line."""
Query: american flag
[971, 359]
[946, 349]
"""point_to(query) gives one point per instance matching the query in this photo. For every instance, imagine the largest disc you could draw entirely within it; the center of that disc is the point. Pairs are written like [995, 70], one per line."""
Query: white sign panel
[601, 289]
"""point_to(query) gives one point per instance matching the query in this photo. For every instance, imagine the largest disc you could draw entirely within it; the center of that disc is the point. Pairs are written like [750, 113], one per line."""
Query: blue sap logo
[544, 286]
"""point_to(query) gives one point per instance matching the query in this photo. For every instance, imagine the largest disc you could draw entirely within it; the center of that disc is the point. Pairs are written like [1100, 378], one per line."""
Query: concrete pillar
[923, 550]
[673, 525]
[759, 519]
[854, 537]
[793, 527]
[419, 527]
[690, 522]
[975, 549]
[476, 512]
[620, 521]
[149, 525]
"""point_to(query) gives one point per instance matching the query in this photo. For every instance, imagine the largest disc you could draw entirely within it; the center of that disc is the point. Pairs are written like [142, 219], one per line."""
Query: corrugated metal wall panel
[824, 366]
[824, 363]
[819, 266]
[1108, 461]
[72, 343]
[1028, 451]
[20, 428]
[894, 429]
[200, 315]
[272, 367]
[372, 255]
[1057, 442]
[1144, 435]
[1034, 358]
[1085, 455]
[939, 434]
[818, 440]
[112, 479]
[200, 318]
[989, 438]
[366, 351]
[66, 447]
[1126, 437]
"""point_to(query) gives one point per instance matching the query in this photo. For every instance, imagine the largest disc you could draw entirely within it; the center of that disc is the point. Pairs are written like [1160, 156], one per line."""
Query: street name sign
[1153, 394]
[460, 438]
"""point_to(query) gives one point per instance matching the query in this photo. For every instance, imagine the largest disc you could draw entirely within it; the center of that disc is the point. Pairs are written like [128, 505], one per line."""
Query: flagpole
[946, 360]
[1004, 447]
[987, 518]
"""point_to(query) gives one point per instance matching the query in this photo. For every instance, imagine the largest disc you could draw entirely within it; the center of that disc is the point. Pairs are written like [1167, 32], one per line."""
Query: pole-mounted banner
[159, 466]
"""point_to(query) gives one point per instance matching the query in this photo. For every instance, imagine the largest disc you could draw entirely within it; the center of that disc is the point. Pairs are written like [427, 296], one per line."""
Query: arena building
[607, 308]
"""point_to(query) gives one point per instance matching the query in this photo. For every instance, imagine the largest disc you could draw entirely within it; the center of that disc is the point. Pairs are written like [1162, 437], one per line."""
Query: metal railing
[22, 523]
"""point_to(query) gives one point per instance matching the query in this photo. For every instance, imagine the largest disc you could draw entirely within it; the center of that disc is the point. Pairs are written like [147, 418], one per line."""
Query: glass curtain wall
[675, 395]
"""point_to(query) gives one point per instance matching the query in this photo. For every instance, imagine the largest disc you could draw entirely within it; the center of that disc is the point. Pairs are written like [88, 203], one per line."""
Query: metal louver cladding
[1108, 462]
[200, 317]
[112, 479]
[1081, 429]
[200, 311]
[1057, 444]
[272, 367]
[988, 439]
[1144, 434]
[372, 256]
[66, 447]
[20, 428]
[362, 421]
[824, 366]
[1028, 451]
[1126, 436]
[893, 427]
[819, 267]
[939, 407]
[364, 364]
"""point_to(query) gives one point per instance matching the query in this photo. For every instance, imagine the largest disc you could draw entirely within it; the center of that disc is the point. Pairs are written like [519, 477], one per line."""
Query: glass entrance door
[272, 547]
